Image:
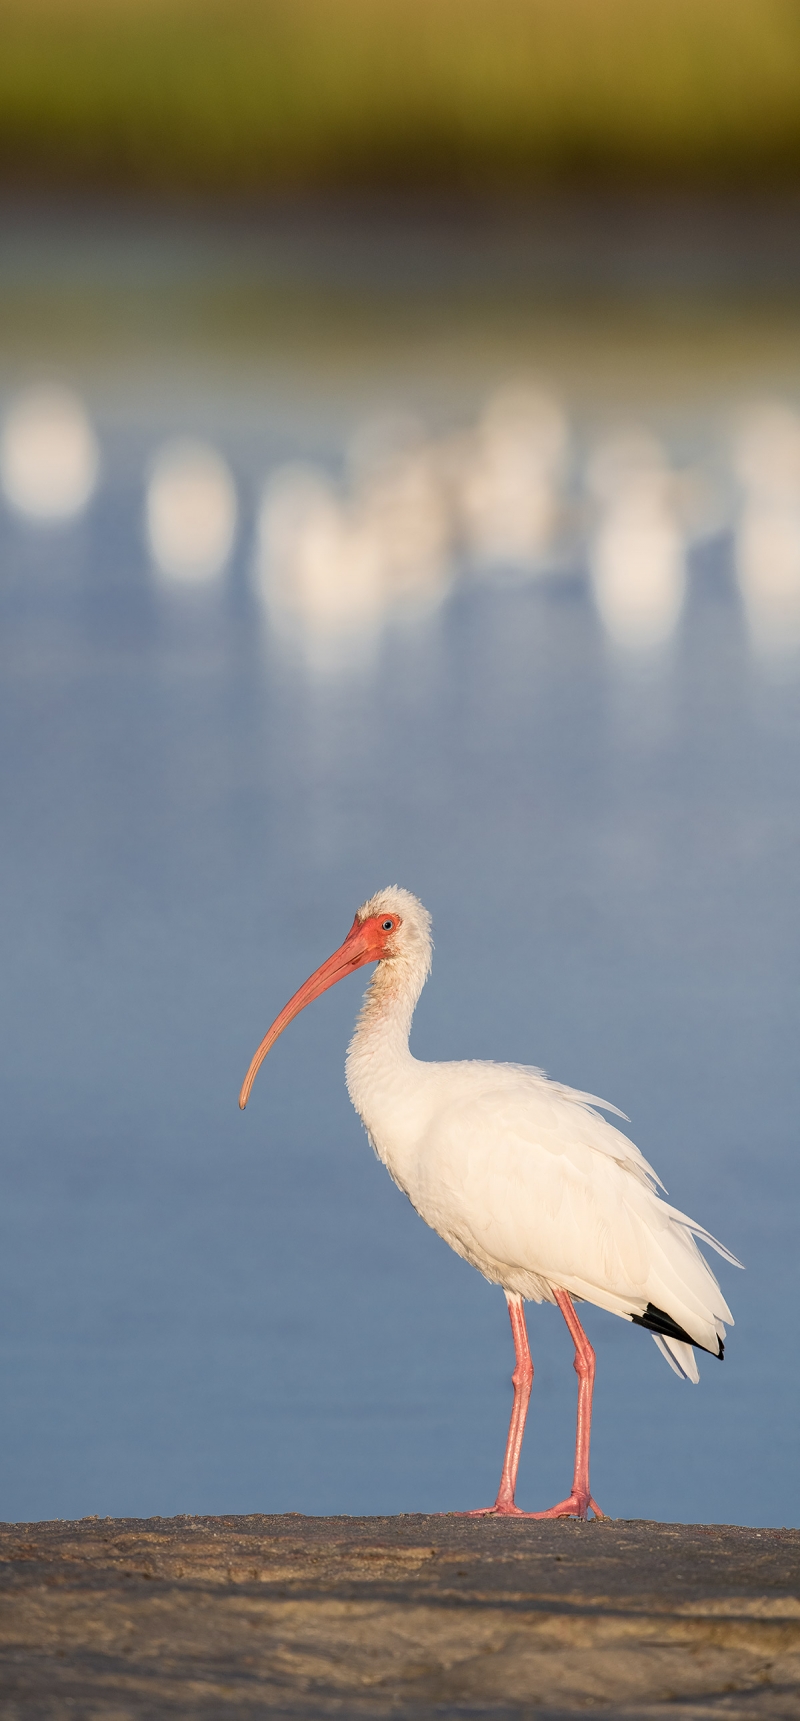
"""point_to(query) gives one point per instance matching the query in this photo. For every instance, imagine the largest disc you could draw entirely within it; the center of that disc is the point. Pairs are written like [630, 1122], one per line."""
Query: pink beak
[361, 945]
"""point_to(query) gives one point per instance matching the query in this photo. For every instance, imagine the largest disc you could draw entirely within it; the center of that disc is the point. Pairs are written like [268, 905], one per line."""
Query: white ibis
[521, 1176]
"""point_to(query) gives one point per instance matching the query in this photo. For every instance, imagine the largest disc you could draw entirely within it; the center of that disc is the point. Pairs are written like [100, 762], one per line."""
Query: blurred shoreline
[585, 244]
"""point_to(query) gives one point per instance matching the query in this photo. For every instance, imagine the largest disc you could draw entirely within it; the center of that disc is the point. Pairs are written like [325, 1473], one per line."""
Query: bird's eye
[387, 925]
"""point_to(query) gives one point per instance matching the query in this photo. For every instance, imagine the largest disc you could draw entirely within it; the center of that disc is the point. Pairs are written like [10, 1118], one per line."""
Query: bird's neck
[380, 1043]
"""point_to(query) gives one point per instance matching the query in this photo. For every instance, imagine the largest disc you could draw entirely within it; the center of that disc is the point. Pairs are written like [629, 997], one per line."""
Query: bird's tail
[680, 1356]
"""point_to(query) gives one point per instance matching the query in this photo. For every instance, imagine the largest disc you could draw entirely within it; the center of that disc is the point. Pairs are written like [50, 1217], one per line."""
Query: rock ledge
[410, 1617]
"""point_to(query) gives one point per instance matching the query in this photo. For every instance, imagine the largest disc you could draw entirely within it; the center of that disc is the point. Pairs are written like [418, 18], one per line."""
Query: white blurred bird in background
[191, 512]
[334, 562]
[508, 473]
[521, 1176]
[49, 456]
[767, 464]
[637, 556]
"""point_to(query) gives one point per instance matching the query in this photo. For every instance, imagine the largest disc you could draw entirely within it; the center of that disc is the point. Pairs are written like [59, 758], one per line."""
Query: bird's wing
[573, 1115]
[700, 1232]
[603, 1138]
[523, 1177]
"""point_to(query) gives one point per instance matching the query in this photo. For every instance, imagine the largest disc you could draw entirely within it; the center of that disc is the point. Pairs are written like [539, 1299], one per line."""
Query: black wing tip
[658, 1321]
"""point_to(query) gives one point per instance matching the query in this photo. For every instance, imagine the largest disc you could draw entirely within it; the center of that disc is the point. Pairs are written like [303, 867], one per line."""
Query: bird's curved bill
[358, 948]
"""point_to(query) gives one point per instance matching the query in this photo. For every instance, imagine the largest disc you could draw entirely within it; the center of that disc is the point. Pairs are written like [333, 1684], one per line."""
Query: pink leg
[580, 1501]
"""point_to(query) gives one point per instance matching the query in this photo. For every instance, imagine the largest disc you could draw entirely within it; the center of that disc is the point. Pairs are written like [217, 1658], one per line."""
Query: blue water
[207, 1312]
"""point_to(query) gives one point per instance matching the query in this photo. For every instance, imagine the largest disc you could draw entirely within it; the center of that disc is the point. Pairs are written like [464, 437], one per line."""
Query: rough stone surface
[411, 1617]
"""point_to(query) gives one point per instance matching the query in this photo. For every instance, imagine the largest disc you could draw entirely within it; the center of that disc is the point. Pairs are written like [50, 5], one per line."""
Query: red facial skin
[367, 941]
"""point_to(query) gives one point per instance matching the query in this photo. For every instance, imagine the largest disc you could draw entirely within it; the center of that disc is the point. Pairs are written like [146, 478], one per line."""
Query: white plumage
[520, 1175]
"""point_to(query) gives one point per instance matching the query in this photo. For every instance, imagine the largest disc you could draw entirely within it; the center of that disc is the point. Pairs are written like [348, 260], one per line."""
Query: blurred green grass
[260, 95]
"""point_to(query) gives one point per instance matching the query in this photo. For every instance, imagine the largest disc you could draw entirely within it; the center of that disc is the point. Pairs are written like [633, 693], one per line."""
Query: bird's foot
[577, 1506]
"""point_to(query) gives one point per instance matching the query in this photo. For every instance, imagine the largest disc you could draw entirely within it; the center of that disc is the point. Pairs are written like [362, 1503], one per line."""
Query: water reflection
[49, 456]
[767, 463]
[191, 511]
[637, 554]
